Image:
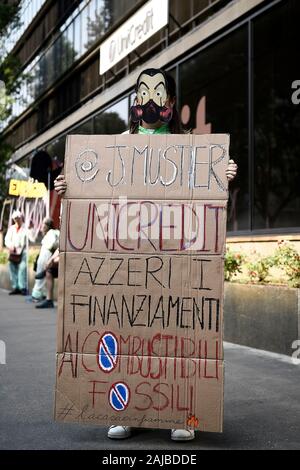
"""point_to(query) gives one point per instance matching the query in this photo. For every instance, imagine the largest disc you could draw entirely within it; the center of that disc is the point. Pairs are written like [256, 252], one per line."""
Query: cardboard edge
[61, 303]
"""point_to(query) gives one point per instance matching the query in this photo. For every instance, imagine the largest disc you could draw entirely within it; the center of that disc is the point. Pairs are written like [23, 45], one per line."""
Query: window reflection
[77, 37]
[276, 119]
[83, 128]
[56, 149]
[213, 98]
[90, 22]
[84, 26]
[28, 10]
[113, 120]
[69, 46]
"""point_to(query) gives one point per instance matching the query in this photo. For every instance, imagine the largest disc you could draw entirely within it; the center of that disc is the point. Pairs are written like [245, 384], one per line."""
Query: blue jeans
[18, 273]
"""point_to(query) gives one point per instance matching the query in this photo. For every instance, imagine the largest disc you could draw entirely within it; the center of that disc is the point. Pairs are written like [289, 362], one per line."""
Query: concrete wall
[263, 317]
[262, 244]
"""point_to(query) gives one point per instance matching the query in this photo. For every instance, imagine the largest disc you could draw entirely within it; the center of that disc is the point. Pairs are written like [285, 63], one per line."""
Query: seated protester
[51, 273]
[48, 246]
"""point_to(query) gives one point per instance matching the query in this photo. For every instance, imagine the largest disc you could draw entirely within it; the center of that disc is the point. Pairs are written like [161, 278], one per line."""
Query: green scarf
[164, 129]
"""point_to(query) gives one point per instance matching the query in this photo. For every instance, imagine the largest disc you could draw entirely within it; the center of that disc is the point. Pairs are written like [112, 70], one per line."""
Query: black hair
[49, 222]
[175, 123]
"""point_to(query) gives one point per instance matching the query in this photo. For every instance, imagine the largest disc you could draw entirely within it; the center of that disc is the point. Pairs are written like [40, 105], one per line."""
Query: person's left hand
[231, 170]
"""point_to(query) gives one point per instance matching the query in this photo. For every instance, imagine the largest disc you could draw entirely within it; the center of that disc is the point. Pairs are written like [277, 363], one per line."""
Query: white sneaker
[119, 432]
[182, 434]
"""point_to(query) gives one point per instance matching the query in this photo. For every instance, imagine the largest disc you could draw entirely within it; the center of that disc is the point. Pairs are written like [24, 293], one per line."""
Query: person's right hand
[49, 263]
[60, 185]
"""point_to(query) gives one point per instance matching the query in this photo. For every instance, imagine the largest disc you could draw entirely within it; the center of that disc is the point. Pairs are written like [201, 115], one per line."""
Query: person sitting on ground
[15, 241]
[51, 273]
[48, 246]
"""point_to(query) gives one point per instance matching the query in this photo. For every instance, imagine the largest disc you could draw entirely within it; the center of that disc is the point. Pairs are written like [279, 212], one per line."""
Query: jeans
[18, 273]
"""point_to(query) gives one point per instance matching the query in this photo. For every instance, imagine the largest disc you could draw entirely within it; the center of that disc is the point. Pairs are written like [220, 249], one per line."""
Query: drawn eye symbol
[87, 165]
[144, 93]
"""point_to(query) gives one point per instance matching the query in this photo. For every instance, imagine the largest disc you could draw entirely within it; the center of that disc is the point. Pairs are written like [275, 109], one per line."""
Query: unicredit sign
[141, 26]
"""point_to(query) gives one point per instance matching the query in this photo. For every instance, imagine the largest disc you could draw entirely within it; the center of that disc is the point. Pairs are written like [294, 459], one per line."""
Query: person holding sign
[154, 112]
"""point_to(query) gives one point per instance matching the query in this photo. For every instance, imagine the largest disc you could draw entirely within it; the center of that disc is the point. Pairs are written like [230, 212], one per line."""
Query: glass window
[41, 81]
[115, 9]
[199, 5]
[69, 47]
[27, 13]
[84, 28]
[56, 149]
[93, 9]
[95, 26]
[276, 118]
[58, 57]
[113, 120]
[104, 16]
[50, 66]
[213, 91]
[182, 11]
[77, 37]
[65, 45]
[84, 128]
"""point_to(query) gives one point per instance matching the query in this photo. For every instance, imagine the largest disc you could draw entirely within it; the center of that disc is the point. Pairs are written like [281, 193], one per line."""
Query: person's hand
[231, 170]
[60, 185]
[56, 260]
[49, 264]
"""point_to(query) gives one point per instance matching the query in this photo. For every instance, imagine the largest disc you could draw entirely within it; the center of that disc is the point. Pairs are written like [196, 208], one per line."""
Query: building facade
[237, 71]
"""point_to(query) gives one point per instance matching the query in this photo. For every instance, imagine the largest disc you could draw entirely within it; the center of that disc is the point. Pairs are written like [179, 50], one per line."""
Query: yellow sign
[26, 188]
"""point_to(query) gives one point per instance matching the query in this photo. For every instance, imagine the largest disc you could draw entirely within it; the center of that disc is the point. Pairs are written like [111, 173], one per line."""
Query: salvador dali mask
[151, 98]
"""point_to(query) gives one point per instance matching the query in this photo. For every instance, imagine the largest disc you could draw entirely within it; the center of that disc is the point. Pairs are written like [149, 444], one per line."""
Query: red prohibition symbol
[108, 349]
[119, 396]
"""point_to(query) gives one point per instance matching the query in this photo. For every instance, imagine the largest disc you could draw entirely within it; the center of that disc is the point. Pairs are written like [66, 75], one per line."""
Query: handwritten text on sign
[141, 281]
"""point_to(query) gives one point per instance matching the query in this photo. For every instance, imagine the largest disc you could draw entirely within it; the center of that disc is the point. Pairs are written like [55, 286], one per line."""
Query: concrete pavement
[262, 401]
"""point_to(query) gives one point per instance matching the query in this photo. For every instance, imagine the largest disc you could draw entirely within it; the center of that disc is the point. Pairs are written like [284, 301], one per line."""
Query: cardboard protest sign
[140, 319]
